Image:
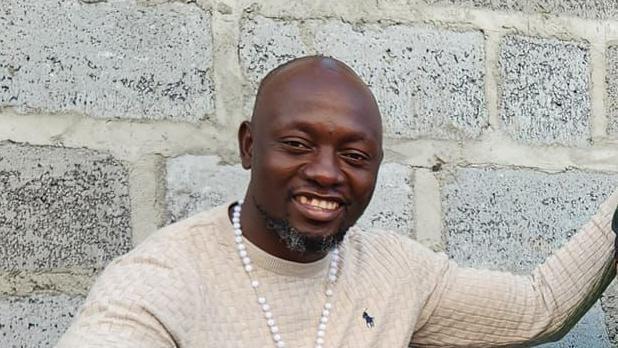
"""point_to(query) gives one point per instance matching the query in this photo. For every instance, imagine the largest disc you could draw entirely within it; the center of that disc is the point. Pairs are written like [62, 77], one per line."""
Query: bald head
[315, 76]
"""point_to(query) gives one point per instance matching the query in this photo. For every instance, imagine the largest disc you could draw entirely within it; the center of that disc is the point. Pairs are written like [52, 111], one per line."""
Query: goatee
[296, 240]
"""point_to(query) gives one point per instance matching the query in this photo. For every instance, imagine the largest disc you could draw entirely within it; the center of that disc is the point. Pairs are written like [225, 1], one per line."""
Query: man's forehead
[314, 86]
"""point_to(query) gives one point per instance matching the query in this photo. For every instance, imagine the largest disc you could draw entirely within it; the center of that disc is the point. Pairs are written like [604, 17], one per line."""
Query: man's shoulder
[177, 244]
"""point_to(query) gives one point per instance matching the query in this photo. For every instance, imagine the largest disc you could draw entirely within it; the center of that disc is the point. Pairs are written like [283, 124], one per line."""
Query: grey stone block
[612, 90]
[428, 82]
[197, 183]
[266, 43]
[545, 86]
[601, 9]
[392, 205]
[107, 59]
[512, 219]
[61, 208]
[37, 321]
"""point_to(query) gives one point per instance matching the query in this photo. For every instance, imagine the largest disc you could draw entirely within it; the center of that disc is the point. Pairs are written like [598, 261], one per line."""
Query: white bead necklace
[255, 284]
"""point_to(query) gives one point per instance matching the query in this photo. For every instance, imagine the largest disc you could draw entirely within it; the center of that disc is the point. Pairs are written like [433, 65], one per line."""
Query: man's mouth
[317, 203]
[323, 209]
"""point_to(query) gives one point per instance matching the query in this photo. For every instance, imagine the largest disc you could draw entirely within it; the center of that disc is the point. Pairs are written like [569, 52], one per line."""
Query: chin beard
[298, 241]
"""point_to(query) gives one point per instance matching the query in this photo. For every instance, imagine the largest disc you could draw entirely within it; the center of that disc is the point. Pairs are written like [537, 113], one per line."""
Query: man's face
[316, 151]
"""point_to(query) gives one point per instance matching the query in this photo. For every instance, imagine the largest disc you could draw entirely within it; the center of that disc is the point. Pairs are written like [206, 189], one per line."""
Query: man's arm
[488, 309]
[131, 305]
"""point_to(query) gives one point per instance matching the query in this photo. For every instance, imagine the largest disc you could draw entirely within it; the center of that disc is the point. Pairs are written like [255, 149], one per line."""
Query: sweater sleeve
[480, 308]
[132, 304]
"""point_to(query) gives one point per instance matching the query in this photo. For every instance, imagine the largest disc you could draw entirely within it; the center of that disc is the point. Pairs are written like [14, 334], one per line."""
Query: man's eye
[295, 144]
[354, 156]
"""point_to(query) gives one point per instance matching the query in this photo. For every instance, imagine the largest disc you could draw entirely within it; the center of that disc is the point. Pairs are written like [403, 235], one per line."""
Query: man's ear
[245, 144]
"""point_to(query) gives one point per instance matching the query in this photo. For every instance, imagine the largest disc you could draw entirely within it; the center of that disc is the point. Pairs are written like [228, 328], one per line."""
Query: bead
[241, 246]
[265, 307]
[274, 329]
[236, 225]
[321, 333]
[261, 300]
[332, 271]
[255, 284]
[268, 314]
[270, 322]
[326, 312]
[277, 337]
[246, 260]
[322, 327]
[332, 278]
[240, 202]
[327, 305]
[318, 346]
[329, 292]
[319, 341]
[238, 232]
[323, 320]
[242, 253]
[248, 268]
[238, 239]
[336, 251]
[280, 344]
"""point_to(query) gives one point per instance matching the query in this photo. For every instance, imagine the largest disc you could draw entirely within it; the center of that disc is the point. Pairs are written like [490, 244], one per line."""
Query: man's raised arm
[479, 308]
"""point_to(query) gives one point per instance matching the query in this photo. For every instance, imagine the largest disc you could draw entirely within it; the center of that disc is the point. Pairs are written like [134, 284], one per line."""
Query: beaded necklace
[261, 299]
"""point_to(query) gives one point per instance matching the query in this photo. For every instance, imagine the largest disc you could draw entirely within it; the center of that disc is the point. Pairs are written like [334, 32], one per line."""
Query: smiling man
[286, 268]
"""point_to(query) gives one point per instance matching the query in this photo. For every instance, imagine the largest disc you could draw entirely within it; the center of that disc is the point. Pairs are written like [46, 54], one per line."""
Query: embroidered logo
[368, 319]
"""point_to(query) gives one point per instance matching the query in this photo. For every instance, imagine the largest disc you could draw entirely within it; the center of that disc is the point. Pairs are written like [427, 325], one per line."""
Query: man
[284, 267]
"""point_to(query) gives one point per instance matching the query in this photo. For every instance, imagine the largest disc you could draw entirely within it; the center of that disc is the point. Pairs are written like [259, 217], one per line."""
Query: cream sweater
[185, 287]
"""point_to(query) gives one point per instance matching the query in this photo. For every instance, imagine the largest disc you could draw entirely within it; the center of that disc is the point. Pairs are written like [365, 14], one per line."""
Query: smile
[318, 203]
[320, 209]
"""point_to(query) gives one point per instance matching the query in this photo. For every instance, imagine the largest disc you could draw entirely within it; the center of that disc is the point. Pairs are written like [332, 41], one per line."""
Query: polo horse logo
[368, 319]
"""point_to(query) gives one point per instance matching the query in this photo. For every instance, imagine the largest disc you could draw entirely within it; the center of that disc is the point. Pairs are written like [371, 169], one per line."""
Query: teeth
[318, 203]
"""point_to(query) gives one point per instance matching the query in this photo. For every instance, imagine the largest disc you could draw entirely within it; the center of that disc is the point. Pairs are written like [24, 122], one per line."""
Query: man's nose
[324, 169]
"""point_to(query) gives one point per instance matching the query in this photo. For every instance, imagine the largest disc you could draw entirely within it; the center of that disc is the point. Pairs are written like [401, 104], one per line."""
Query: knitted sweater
[186, 287]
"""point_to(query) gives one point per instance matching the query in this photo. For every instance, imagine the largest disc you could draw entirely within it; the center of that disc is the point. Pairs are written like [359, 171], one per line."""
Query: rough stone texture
[36, 321]
[609, 302]
[428, 82]
[107, 59]
[61, 208]
[588, 9]
[512, 219]
[392, 205]
[545, 90]
[196, 183]
[266, 43]
[612, 90]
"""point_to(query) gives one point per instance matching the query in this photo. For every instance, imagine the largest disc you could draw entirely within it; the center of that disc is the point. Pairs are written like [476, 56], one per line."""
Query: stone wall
[118, 116]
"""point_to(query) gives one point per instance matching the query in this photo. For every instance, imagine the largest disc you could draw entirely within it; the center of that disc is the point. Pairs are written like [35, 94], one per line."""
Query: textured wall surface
[62, 208]
[107, 60]
[118, 117]
[35, 321]
[544, 90]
